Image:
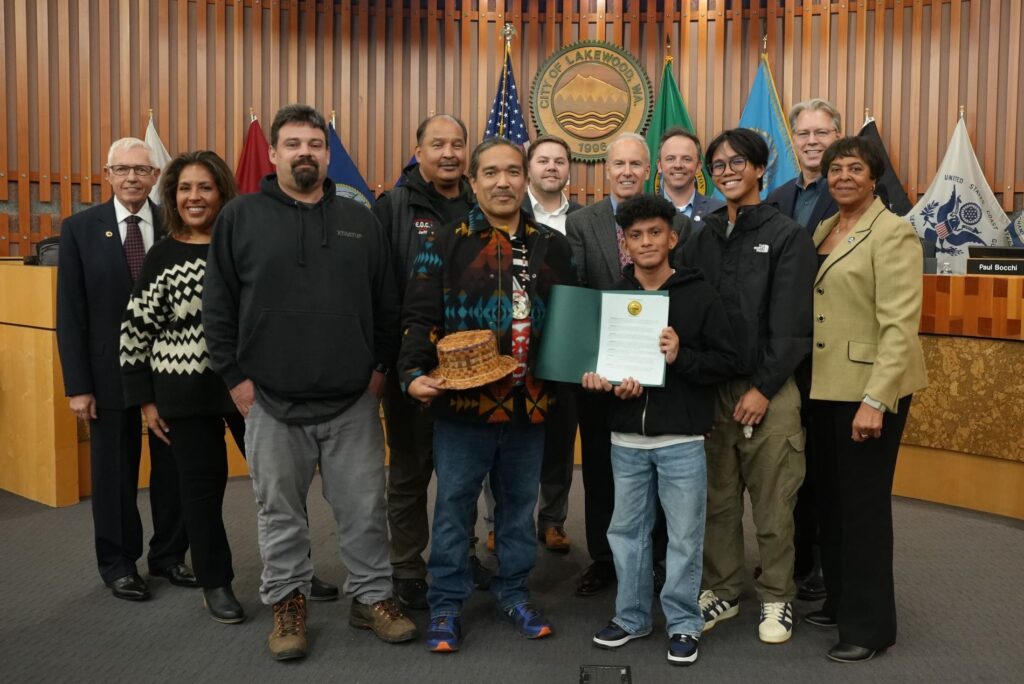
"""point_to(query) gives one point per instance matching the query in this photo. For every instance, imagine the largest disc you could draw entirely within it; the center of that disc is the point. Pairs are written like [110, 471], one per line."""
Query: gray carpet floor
[960, 592]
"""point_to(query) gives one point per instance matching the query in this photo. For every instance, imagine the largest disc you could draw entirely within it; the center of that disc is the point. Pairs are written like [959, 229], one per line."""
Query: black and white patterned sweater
[163, 350]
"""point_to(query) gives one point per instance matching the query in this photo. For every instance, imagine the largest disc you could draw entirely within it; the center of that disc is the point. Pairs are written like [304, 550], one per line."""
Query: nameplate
[1008, 267]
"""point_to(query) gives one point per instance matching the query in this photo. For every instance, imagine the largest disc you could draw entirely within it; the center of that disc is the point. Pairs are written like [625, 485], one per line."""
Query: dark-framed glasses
[123, 170]
[737, 164]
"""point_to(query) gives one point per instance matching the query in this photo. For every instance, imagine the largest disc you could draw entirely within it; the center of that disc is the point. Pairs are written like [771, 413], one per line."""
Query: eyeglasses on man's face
[737, 164]
[806, 133]
[123, 170]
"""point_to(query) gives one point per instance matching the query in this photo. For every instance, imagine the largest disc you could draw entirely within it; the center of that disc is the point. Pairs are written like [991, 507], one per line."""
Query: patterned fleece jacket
[462, 280]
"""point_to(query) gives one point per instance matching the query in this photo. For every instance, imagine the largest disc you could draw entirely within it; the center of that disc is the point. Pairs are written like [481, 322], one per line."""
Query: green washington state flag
[670, 111]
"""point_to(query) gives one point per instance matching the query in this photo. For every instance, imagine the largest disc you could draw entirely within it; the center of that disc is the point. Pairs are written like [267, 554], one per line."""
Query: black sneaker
[411, 592]
[682, 649]
[614, 636]
[481, 574]
[322, 591]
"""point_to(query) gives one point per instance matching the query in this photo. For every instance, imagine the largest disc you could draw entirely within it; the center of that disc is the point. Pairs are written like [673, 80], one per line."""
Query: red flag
[254, 163]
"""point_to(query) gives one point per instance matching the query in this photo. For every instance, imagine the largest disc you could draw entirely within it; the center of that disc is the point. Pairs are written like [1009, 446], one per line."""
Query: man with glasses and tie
[763, 265]
[101, 254]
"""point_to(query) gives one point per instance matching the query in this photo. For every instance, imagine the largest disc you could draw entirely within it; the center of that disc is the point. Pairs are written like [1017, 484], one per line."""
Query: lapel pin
[109, 234]
[851, 239]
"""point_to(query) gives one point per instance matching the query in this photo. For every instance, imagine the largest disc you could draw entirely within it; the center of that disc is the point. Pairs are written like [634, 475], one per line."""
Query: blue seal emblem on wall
[589, 93]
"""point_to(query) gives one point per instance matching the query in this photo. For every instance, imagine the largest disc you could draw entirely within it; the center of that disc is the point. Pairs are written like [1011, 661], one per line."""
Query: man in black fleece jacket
[763, 265]
[657, 437]
[301, 316]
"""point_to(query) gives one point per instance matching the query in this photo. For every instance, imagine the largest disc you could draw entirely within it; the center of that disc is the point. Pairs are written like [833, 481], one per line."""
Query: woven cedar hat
[470, 359]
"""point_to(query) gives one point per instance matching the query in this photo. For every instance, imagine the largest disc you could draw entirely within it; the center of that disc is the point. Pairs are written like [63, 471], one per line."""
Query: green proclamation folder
[619, 329]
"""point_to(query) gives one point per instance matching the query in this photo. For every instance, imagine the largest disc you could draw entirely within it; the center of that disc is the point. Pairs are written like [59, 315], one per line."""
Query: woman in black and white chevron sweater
[165, 366]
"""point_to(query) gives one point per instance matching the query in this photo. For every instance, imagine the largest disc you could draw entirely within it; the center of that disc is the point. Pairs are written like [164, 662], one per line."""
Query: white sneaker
[776, 624]
[715, 609]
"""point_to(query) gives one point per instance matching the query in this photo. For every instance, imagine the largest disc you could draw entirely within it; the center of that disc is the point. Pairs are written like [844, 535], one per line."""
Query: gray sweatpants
[282, 460]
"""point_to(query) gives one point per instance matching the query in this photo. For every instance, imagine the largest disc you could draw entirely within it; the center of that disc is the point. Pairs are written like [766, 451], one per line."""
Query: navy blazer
[93, 288]
[784, 197]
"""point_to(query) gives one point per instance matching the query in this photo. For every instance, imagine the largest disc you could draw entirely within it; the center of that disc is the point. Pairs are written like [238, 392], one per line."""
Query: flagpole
[334, 124]
[252, 114]
[508, 31]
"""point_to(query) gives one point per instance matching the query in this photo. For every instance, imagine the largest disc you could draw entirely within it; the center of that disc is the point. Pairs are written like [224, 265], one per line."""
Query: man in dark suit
[679, 158]
[596, 242]
[547, 203]
[816, 124]
[101, 253]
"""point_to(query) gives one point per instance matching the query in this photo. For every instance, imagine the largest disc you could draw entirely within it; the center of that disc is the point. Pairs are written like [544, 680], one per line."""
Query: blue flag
[342, 170]
[506, 117]
[763, 113]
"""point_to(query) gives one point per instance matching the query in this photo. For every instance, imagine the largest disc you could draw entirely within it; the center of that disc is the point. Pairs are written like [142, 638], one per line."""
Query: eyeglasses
[737, 164]
[122, 170]
[804, 134]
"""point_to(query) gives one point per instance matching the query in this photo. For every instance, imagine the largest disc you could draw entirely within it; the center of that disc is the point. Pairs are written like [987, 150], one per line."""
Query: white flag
[160, 157]
[959, 208]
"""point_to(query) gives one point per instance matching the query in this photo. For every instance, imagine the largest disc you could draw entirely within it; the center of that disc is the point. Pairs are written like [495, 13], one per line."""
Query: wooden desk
[964, 441]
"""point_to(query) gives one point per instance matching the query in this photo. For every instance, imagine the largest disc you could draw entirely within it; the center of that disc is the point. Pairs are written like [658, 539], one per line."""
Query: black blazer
[527, 207]
[784, 197]
[93, 288]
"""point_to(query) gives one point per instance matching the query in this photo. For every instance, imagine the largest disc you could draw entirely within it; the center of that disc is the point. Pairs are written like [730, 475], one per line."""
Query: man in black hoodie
[763, 265]
[657, 437]
[433, 192]
[301, 318]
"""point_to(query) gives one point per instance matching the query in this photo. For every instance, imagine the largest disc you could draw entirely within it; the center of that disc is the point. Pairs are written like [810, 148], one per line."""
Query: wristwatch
[873, 403]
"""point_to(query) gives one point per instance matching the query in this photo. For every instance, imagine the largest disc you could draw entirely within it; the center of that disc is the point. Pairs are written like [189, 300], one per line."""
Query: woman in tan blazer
[866, 363]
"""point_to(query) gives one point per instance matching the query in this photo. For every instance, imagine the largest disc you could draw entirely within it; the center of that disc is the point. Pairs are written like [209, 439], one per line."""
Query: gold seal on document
[634, 308]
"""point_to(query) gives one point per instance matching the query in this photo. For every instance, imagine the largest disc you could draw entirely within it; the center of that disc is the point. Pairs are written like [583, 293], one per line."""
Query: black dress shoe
[820, 618]
[130, 588]
[811, 588]
[223, 605]
[322, 591]
[411, 592]
[595, 579]
[848, 653]
[177, 574]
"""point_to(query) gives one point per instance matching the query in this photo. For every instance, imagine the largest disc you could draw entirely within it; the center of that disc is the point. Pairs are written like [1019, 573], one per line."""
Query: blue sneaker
[682, 649]
[529, 622]
[444, 635]
[614, 636]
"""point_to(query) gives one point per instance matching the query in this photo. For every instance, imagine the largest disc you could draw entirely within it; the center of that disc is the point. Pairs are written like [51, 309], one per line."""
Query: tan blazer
[867, 309]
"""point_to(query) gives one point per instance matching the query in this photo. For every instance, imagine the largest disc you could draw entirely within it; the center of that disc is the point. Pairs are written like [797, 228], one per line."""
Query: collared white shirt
[555, 219]
[686, 208]
[145, 224]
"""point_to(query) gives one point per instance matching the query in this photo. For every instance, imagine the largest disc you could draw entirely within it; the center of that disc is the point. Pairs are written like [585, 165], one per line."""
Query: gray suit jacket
[595, 246]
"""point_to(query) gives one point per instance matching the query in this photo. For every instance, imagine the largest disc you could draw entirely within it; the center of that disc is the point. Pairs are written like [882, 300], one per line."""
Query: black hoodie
[411, 211]
[300, 299]
[685, 405]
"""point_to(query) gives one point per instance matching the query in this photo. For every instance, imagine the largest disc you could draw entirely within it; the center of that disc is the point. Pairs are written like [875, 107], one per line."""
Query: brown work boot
[385, 618]
[554, 539]
[288, 640]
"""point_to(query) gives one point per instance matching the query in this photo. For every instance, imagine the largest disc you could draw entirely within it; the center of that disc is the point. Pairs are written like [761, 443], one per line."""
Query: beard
[306, 177]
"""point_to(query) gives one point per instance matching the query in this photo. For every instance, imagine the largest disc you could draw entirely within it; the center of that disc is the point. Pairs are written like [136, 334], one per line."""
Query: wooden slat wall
[83, 73]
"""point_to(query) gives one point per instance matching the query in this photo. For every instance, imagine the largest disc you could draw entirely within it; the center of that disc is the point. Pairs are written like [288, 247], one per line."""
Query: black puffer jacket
[413, 210]
[685, 405]
[764, 272]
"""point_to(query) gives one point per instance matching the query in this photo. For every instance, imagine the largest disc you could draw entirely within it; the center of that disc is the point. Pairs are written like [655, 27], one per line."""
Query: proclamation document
[630, 328]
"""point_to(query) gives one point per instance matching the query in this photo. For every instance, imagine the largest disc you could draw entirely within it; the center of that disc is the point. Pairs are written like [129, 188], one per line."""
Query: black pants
[115, 439]
[855, 515]
[198, 446]
[559, 449]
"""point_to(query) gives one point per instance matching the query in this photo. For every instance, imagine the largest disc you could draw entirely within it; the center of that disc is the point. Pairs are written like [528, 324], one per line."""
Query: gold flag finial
[252, 114]
[962, 108]
[150, 112]
[764, 44]
[508, 32]
[867, 112]
[668, 48]
[333, 120]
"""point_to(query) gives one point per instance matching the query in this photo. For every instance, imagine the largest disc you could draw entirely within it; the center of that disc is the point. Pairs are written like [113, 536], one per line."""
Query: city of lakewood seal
[589, 93]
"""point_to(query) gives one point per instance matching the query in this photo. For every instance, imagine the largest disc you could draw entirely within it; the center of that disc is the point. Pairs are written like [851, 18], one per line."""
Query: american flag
[506, 117]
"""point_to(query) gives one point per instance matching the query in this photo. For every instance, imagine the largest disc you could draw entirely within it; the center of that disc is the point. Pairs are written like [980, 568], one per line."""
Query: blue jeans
[678, 476]
[464, 453]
